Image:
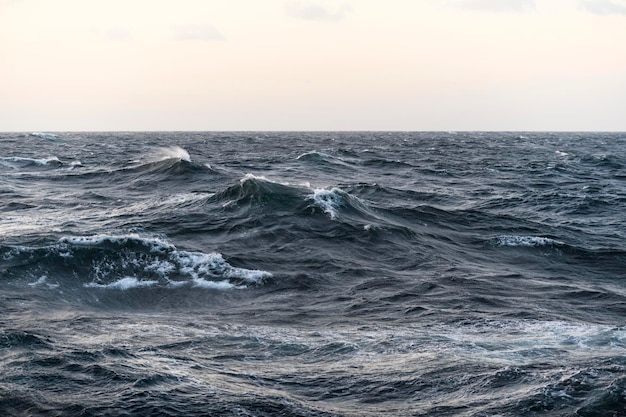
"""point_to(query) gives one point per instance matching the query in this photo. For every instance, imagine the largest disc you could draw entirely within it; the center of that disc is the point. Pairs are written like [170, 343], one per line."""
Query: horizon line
[313, 131]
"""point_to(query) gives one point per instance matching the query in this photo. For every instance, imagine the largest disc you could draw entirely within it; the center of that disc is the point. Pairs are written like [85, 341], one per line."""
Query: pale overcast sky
[312, 65]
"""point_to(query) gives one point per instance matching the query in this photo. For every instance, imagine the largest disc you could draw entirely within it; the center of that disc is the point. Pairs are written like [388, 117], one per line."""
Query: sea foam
[328, 200]
[123, 284]
[526, 241]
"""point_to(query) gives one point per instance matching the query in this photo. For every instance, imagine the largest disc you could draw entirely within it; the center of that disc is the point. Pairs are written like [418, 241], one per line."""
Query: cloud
[314, 11]
[203, 32]
[495, 5]
[604, 7]
[8, 2]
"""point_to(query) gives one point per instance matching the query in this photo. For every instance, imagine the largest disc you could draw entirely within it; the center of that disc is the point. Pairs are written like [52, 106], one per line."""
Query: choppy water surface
[313, 274]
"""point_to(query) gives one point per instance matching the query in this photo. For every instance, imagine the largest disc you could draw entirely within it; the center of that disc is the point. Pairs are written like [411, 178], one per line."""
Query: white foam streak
[155, 244]
[252, 177]
[313, 154]
[125, 283]
[216, 285]
[526, 241]
[43, 280]
[38, 161]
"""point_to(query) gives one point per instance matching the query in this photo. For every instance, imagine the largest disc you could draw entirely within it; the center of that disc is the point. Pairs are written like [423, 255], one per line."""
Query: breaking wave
[122, 262]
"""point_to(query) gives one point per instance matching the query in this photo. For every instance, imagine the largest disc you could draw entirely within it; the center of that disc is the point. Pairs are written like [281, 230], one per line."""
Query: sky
[127, 65]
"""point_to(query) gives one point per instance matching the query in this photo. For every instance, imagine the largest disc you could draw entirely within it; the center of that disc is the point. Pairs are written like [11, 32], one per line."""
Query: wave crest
[174, 152]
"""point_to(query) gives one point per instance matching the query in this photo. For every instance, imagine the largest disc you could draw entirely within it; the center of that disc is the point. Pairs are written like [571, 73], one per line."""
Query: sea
[313, 274]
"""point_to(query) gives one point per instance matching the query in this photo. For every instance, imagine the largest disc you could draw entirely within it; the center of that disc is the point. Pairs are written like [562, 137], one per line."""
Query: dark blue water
[313, 274]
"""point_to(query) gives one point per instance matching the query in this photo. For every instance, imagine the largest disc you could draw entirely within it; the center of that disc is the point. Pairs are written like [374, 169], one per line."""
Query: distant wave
[323, 159]
[17, 161]
[163, 164]
[45, 135]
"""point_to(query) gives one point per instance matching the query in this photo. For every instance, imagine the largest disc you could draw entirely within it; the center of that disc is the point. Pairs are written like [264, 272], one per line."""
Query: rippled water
[313, 274]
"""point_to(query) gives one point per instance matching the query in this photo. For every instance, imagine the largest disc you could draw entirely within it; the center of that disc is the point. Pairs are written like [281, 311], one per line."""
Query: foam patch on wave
[131, 261]
[123, 284]
[203, 268]
[155, 244]
[328, 200]
[527, 340]
[526, 241]
[251, 177]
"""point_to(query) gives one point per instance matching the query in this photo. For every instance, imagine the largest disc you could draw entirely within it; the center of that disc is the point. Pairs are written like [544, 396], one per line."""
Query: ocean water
[313, 274]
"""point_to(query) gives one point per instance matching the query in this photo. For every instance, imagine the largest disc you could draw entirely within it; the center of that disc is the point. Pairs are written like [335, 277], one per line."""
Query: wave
[255, 203]
[321, 159]
[266, 196]
[262, 194]
[17, 162]
[350, 160]
[339, 204]
[122, 262]
[607, 262]
[169, 160]
[603, 160]
[163, 164]
[44, 135]
[174, 152]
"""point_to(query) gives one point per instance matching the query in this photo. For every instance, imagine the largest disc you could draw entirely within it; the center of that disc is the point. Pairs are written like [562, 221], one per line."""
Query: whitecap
[123, 284]
[252, 177]
[328, 200]
[526, 241]
[45, 135]
[199, 265]
[172, 152]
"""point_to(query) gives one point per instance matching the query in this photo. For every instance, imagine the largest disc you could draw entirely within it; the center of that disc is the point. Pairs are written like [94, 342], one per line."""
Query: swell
[347, 233]
[488, 367]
